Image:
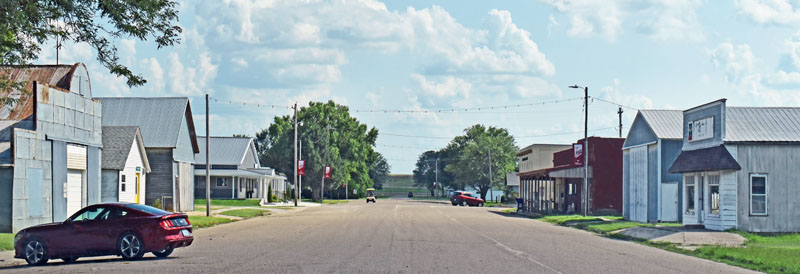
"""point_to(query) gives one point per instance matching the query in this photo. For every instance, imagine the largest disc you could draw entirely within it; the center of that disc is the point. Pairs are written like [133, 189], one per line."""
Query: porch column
[233, 188]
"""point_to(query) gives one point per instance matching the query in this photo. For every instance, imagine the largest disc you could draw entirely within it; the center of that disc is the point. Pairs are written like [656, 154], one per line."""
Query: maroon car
[127, 230]
[465, 198]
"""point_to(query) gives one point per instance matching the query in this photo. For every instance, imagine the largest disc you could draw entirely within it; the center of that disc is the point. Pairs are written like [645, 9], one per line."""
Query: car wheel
[164, 253]
[36, 252]
[69, 260]
[130, 246]
[480, 204]
[463, 203]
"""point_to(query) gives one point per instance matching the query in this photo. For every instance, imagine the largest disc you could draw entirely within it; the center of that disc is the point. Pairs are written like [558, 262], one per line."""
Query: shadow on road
[512, 215]
[430, 202]
[90, 260]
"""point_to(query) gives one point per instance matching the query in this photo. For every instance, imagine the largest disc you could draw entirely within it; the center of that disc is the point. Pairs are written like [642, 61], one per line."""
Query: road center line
[518, 253]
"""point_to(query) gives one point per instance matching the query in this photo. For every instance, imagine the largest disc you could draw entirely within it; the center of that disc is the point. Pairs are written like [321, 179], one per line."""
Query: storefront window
[758, 194]
[713, 193]
[689, 194]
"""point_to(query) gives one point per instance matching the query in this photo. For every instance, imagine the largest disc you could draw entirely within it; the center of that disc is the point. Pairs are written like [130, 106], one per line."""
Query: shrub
[270, 196]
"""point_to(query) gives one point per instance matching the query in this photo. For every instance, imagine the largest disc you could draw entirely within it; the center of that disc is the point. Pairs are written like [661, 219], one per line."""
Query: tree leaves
[26, 25]
[331, 137]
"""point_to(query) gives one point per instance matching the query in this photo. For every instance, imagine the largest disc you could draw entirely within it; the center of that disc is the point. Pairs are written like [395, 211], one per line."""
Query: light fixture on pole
[585, 148]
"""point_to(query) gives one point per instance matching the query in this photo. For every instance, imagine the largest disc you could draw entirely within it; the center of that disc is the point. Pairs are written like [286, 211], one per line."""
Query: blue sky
[428, 55]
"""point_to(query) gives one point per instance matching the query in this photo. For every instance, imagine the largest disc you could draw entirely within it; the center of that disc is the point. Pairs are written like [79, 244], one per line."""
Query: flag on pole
[301, 167]
[327, 172]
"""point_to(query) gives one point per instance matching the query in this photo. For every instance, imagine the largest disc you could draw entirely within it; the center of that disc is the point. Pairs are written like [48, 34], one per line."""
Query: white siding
[76, 157]
[133, 161]
[73, 191]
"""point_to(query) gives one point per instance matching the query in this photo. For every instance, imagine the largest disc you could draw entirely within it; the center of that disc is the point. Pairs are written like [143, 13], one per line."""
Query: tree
[26, 25]
[331, 137]
[474, 147]
[240, 136]
[379, 170]
[425, 171]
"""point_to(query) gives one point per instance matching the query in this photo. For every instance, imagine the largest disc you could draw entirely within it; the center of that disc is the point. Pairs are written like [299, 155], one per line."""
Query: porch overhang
[229, 173]
[707, 159]
[569, 172]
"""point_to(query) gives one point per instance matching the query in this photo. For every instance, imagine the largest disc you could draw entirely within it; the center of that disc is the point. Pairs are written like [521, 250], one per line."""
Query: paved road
[398, 236]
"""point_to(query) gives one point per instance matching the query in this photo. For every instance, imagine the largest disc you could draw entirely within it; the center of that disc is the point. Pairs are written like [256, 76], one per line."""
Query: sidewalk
[7, 259]
[688, 238]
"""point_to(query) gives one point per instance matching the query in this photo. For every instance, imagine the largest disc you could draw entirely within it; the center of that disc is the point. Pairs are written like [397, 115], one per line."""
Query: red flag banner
[327, 172]
[301, 167]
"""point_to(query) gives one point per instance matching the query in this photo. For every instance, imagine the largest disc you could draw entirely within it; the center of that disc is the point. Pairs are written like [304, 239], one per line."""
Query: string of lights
[616, 104]
[258, 105]
[465, 109]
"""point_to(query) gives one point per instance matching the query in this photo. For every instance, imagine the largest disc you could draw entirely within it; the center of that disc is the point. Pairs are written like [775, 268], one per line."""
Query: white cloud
[191, 80]
[661, 20]
[154, 74]
[240, 62]
[736, 61]
[778, 12]
[448, 86]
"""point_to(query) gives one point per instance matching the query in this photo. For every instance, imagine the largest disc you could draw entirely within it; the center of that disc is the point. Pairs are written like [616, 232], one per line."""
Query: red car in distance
[127, 230]
[465, 198]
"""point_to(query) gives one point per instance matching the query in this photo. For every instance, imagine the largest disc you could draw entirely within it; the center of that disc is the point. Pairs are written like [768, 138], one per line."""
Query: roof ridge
[752, 107]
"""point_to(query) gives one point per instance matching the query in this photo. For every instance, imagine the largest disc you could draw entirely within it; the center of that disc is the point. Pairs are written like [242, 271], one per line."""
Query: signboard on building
[702, 129]
[327, 172]
[301, 167]
[577, 158]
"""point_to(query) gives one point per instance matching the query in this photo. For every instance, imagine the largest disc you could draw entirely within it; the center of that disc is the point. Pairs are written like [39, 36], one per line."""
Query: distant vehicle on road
[463, 198]
[126, 230]
[371, 195]
[410, 194]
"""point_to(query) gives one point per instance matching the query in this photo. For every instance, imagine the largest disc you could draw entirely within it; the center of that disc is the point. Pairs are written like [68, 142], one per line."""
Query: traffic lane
[569, 250]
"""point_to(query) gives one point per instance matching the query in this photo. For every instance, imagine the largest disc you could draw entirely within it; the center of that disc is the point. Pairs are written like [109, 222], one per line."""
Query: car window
[95, 213]
[147, 209]
[116, 213]
[468, 194]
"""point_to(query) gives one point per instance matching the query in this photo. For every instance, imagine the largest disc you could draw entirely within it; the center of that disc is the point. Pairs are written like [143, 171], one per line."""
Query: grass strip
[228, 202]
[203, 221]
[246, 213]
[6, 241]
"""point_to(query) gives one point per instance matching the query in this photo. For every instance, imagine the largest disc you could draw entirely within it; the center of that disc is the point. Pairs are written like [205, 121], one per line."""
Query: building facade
[534, 182]
[50, 145]
[738, 167]
[236, 172]
[170, 142]
[650, 192]
[125, 165]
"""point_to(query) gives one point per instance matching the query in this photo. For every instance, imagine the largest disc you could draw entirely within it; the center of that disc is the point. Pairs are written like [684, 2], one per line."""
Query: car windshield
[370, 193]
[147, 209]
[468, 194]
[90, 214]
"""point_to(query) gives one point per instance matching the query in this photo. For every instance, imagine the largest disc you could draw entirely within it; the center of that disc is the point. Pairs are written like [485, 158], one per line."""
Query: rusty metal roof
[59, 76]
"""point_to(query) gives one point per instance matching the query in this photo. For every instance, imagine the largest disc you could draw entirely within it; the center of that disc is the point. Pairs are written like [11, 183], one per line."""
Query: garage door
[73, 190]
[638, 184]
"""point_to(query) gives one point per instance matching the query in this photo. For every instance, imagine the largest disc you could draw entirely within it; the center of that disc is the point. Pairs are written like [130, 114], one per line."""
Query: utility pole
[208, 165]
[586, 151]
[620, 121]
[491, 184]
[437, 174]
[324, 158]
[295, 154]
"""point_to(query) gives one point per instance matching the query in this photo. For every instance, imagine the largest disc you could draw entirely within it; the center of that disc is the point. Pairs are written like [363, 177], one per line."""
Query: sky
[499, 63]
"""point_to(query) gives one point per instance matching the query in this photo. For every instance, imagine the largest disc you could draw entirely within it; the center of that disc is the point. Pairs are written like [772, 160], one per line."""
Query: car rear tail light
[187, 221]
[166, 224]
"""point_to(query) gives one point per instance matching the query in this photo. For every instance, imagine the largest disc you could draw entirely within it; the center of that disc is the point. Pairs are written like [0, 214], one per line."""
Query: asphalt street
[397, 236]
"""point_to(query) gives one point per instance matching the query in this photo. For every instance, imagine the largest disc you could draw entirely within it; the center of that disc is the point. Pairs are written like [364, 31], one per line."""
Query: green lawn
[563, 219]
[6, 241]
[510, 210]
[246, 213]
[771, 254]
[203, 221]
[606, 227]
[283, 207]
[333, 202]
[216, 202]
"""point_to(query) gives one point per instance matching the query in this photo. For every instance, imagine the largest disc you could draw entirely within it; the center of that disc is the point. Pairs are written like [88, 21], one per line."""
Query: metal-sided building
[50, 143]
[650, 192]
[125, 165]
[170, 142]
[738, 166]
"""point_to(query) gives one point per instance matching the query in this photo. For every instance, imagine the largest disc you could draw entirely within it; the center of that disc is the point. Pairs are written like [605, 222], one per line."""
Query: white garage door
[73, 190]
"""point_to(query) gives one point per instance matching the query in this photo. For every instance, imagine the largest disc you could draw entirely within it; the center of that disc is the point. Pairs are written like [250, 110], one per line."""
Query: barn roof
[762, 124]
[59, 76]
[666, 124]
[159, 118]
[224, 150]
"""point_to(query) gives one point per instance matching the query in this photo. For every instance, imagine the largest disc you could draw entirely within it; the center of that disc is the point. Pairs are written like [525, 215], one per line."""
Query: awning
[707, 159]
[229, 173]
[572, 172]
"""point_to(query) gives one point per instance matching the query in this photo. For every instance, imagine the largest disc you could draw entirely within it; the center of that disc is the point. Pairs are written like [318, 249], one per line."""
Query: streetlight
[296, 124]
[585, 148]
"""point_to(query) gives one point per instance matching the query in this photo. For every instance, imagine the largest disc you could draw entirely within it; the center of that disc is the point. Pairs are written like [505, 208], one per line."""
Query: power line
[616, 104]
[446, 110]
[563, 133]
[415, 136]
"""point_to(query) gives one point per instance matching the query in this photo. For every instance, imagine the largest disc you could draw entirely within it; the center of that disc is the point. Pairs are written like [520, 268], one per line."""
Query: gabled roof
[706, 159]
[117, 144]
[159, 118]
[666, 124]
[59, 76]
[225, 150]
[762, 124]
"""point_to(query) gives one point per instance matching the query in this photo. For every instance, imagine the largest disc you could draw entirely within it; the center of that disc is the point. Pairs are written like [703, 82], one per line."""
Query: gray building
[650, 192]
[50, 143]
[738, 166]
[236, 172]
[170, 143]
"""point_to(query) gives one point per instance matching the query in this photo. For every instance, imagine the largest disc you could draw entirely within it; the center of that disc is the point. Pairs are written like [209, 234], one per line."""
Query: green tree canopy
[379, 170]
[425, 171]
[330, 136]
[26, 25]
[472, 153]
